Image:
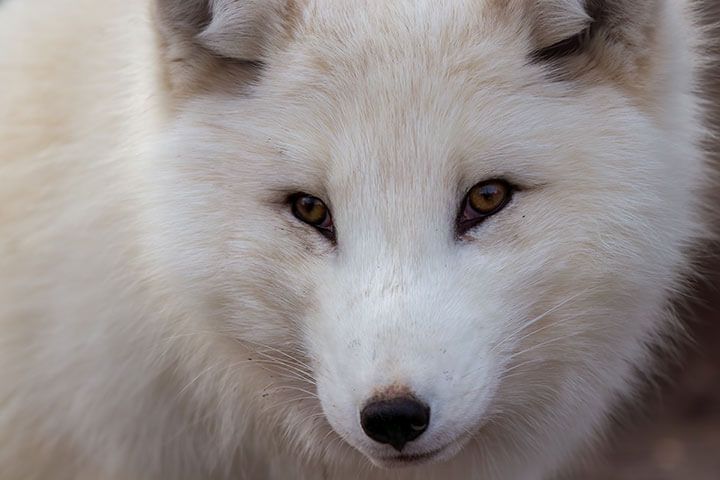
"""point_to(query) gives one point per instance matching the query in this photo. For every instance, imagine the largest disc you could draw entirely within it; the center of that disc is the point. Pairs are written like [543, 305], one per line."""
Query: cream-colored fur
[164, 316]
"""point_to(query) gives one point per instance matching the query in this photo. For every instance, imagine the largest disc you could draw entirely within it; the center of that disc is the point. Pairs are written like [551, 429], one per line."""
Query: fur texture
[164, 316]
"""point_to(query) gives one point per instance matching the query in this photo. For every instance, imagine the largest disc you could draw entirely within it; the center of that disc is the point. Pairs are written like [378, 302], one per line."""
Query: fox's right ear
[201, 38]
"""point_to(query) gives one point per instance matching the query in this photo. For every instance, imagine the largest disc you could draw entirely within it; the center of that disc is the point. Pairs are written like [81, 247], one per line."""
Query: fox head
[404, 228]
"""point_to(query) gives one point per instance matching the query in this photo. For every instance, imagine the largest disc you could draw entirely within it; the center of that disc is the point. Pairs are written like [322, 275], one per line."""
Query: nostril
[395, 421]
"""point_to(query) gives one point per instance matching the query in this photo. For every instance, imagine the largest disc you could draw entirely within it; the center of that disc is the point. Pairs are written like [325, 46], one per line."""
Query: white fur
[164, 316]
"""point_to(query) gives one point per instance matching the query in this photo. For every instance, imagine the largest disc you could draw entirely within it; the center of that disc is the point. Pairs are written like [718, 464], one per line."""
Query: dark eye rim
[328, 231]
[464, 224]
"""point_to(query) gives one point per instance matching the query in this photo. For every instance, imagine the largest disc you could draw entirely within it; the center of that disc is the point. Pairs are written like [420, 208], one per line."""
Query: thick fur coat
[163, 315]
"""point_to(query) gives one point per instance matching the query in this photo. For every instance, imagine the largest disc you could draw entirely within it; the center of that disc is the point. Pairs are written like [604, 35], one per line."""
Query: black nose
[396, 421]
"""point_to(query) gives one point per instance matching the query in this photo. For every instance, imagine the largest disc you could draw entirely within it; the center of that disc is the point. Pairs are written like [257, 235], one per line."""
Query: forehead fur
[372, 95]
[399, 27]
[440, 70]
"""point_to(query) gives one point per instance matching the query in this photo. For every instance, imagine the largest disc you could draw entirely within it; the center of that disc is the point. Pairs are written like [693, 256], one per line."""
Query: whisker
[509, 337]
[281, 352]
[295, 368]
[292, 387]
[544, 344]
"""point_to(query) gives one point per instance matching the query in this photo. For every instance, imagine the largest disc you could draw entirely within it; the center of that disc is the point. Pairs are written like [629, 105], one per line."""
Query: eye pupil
[485, 198]
[314, 212]
[310, 210]
[482, 201]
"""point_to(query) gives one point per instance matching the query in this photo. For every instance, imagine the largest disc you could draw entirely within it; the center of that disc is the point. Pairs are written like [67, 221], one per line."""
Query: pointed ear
[616, 34]
[198, 37]
[558, 20]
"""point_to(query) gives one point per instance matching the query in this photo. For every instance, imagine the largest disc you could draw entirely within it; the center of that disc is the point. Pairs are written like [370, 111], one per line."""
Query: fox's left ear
[617, 34]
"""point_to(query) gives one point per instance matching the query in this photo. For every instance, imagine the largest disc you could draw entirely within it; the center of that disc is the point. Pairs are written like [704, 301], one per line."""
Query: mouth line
[407, 460]
[415, 457]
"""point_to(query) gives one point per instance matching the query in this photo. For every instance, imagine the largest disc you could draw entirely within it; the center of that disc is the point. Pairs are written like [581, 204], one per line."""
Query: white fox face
[435, 236]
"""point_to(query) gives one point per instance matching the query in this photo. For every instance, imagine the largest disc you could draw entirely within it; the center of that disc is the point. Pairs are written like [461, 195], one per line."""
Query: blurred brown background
[676, 433]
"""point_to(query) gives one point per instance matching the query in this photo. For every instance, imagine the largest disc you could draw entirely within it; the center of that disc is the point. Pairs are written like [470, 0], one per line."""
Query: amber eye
[314, 212]
[483, 200]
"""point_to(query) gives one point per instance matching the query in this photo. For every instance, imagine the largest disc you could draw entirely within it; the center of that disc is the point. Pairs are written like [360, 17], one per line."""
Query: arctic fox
[336, 239]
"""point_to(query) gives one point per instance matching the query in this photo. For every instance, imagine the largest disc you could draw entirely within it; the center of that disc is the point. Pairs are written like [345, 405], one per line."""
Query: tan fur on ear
[557, 20]
[627, 39]
[242, 29]
[617, 39]
[202, 39]
[238, 29]
[613, 21]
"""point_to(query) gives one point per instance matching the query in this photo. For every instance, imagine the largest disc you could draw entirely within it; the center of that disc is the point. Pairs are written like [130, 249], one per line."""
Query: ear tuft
[242, 29]
[199, 37]
[557, 21]
[238, 29]
[618, 36]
